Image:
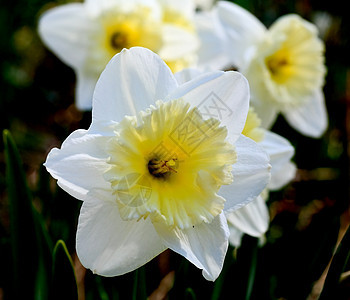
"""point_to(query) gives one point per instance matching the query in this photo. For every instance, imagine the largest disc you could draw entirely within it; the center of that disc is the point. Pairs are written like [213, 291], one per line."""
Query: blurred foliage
[308, 217]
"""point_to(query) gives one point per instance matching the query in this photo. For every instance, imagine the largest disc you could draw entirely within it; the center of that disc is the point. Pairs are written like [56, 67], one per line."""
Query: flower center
[280, 66]
[119, 40]
[125, 29]
[275, 64]
[160, 168]
[168, 164]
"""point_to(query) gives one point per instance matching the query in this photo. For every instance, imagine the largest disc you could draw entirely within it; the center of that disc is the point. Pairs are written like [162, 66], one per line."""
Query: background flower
[86, 35]
[284, 64]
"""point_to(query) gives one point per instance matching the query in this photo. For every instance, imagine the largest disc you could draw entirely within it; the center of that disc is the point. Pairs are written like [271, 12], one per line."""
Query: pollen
[171, 162]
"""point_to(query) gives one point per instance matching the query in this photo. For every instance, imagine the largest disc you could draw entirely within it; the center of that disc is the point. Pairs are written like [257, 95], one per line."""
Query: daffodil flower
[159, 166]
[86, 35]
[283, 64]
[253, 219]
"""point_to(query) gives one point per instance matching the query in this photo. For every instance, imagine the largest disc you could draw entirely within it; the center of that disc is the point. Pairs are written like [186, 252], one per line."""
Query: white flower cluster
[180, 161]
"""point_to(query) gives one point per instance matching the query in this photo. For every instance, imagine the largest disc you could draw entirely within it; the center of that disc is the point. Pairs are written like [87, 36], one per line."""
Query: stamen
[162, 168]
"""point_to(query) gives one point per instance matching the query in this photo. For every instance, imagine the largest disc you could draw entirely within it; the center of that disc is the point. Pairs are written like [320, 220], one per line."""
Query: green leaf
[101, 289]
[252, 270]
[337, 267]
[63, 285]
[30, 244]
[139, 288]
[246, 266]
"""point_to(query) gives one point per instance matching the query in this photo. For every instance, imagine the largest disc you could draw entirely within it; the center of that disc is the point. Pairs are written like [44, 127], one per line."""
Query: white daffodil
[86, 35]
[253, 219]
[159, 165]
[283, 64]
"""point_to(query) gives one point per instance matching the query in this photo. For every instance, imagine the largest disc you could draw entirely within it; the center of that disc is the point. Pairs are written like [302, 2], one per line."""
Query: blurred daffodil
[253, 219]
[152, 166]
[283, 64]
[86, 35]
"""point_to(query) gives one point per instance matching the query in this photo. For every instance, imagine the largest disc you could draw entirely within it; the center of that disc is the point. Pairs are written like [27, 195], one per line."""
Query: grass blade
[337, 267]
[63, 285]
[139, 287]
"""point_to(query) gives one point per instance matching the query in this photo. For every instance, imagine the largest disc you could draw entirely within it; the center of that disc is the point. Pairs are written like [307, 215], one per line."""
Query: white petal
[187, 74]
[132, 81]
[311, 119]
[280, 151]
[86, 83]
[220, 95]
[251, 174]
[243, 29]
[267, 113]
[95, 7]
[80, 163]
[177, 43]
[66, 30]
[282, 176]
[235, 237]
[242, 21]
[205, 245]
[277, 147]
[214, 51]
[252, 219]
[110, 246]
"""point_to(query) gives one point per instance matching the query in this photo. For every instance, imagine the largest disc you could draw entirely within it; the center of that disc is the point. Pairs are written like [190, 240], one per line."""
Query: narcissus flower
[86, 35]
[283, 64]
[152, 166]
[253, 219]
